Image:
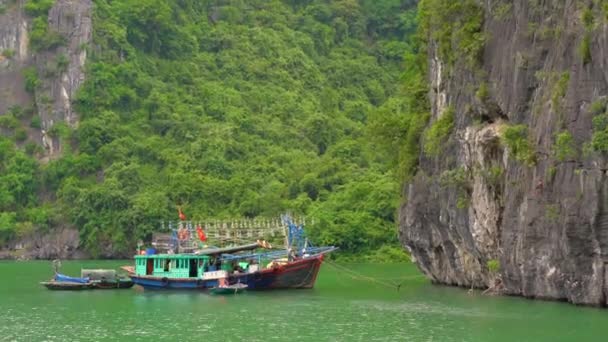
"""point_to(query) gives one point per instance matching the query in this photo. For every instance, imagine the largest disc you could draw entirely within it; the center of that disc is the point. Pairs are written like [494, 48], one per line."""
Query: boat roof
[172, 256]
[215, 251]
[203, 253]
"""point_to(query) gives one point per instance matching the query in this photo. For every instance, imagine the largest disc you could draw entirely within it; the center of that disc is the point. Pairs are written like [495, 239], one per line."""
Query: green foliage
[493, 266]
[44, 38]
[599, 138]
[463, 202]
[551, 171]
[17, 111]
[385, 254]
[482, 93]
[587, 18]
[564, 147]
[438, 132]
[7, 225]
[515, 138]
[61, 63]
[59, 129]
[552, 212]
[397, 126]
[18, 180]
[456, 177]
[493, 175]
[502, 10]
[457, 26]
[20, 134]
[8, 53]
[459, 180]
[345, 220]
[37, 8]
[8, 121]
[31, 79]
[230, 112]
[584, 49]
[31, 148]
[559, 90]
[36, 122]
[598, 106]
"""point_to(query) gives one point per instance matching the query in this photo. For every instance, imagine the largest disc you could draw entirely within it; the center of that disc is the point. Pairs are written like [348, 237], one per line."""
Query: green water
[338, 309]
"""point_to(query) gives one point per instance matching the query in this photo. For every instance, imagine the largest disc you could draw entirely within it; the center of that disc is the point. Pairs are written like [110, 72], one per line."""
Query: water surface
[340, 308]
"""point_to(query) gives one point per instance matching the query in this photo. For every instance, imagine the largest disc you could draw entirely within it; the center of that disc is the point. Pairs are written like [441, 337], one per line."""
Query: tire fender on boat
[199, 282]
[165, 281]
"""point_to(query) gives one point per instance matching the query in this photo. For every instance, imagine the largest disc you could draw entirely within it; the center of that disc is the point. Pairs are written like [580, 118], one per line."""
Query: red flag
[201, 234]
[181, 214]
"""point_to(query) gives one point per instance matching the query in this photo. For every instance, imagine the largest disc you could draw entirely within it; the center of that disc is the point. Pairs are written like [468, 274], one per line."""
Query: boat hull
[66, 286]
[299, 274]
[95, 285]
[113, 285]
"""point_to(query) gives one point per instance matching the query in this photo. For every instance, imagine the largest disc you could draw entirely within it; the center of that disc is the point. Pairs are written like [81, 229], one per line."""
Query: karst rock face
[59, 68]
[479, 201]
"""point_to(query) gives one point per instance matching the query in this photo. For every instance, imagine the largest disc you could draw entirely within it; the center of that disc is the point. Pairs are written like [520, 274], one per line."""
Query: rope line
[358, 276]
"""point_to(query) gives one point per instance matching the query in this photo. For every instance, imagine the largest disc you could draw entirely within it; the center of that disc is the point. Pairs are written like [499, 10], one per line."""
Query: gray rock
[547, 223]
[59, 81]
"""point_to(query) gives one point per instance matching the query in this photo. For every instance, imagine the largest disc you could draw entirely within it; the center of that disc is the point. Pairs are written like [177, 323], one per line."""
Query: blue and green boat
[252, 265]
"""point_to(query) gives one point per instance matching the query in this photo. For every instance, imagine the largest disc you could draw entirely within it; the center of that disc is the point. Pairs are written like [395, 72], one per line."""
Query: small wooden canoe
[228, 290]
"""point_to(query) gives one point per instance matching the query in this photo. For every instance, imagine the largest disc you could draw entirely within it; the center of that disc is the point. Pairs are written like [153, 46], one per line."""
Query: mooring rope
[358, 276]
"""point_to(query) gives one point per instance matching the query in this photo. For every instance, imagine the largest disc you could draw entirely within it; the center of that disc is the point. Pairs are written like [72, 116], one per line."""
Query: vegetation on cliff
[229, 109]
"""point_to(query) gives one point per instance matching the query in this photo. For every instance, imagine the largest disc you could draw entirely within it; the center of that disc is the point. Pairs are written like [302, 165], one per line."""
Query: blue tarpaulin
[64, 278]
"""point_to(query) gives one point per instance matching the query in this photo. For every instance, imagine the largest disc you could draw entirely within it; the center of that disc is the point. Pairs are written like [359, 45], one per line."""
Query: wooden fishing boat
[66, 283]
[254, 265]
[187, 271]
[90, 280]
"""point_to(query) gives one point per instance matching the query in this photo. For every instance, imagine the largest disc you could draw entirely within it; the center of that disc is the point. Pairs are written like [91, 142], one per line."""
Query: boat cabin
[173, 265]
[200, 266]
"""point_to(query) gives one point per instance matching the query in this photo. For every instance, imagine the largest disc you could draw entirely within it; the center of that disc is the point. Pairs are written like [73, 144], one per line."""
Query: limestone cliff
[57, 68]
[518, 190]
[38, 84]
